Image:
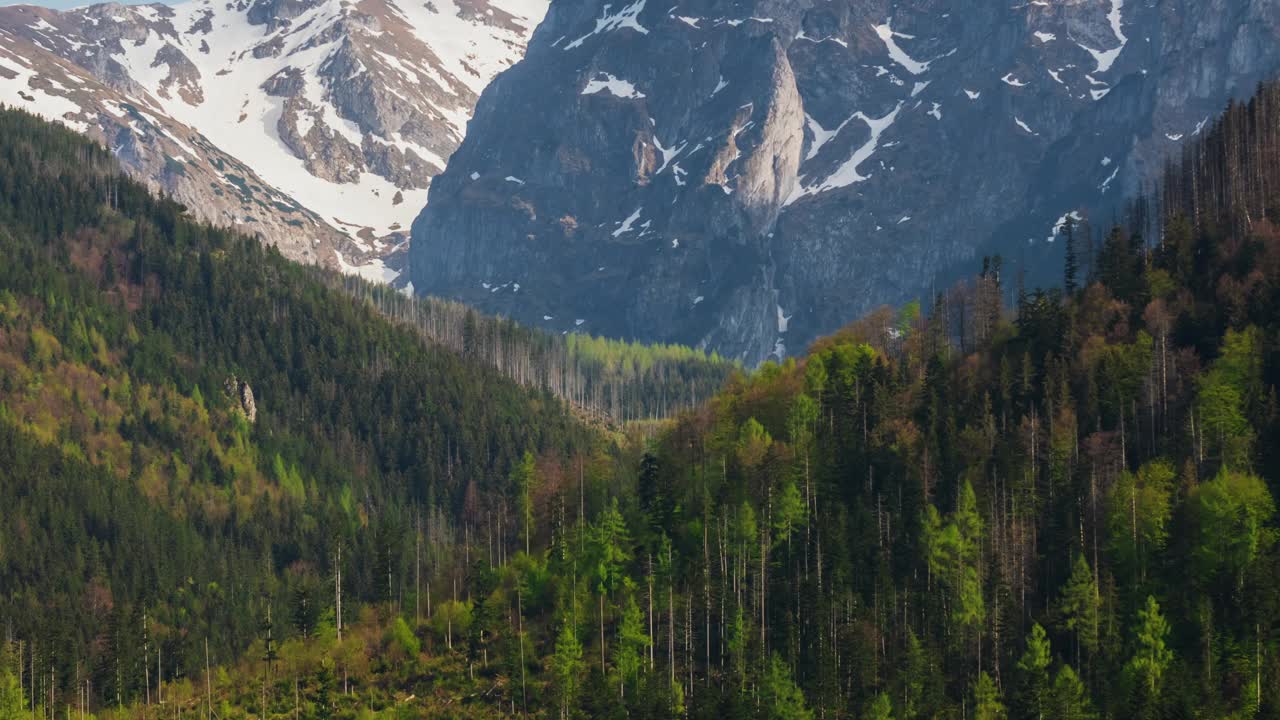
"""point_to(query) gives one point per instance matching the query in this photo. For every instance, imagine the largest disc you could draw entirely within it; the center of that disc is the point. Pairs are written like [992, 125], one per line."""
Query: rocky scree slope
[318, 124]
[746, 175]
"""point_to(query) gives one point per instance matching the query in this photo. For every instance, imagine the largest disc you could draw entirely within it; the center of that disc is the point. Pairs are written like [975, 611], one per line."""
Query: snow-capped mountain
[747, 174]
[317, 123]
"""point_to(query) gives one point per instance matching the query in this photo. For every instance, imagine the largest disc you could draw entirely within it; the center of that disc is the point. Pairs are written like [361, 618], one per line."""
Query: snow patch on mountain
[624, 18]
[1074, 217]
[373, 271]
[896, 53]
[21, 90]
[847, 173]
[626, 225]
[1106, 58]
[613, 86]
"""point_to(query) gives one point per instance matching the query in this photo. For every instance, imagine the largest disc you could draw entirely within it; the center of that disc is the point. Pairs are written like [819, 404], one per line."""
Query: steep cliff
[745, 175]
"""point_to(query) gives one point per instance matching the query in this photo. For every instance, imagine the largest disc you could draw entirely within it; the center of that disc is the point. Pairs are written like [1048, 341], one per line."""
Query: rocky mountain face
[746, 174]
[318, 124]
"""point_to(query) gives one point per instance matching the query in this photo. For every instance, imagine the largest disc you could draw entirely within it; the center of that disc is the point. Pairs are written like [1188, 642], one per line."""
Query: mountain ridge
[742, 176]
[336, 113]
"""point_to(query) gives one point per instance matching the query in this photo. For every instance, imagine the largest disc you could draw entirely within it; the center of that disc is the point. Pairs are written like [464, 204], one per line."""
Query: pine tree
[1152, 656]
[917, 674]
[1079, 606]
[880, 708]
[1069, 699]
[629, 650]
[523, 478]
[610, 553]
[1071, 267]
[986, 699]
[780, 696]
[566, 666]
[1033, 668]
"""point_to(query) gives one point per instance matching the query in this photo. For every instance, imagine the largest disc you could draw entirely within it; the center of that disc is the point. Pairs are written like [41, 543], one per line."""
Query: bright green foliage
[1033, 669]
[401, 637]
[987, 704]
[610, 549]
[629, 650]
[1152, 655]
[753, 444]
[1231, 512]
[880, 708]
[132, 480]
[567, 666]
[1139, 510]
[815, 376]
[737, 646]
[452, 619]
[1080, 604]
[644, 369]
[1069, 699]
[780, 697]
[918, 675]
[928, 496]
[908, 316]
[13, 705]
[523, 479]
[788, 511]
[801, 422]
[289, 478]
[1225, 392]
[952, 551]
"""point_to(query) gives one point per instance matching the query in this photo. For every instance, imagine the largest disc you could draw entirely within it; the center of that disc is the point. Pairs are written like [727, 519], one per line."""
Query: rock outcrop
[747, 175]
[317, 124]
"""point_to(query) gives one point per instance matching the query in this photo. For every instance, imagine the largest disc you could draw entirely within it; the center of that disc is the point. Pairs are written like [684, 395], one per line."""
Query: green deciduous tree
[1230, 513]
[753, 443]
[1138, 514]
[13, 705]
[400, 636]
[451, 619]
[1224, 395]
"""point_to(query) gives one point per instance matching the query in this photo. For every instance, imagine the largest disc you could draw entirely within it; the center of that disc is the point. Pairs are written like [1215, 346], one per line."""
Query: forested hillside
[1058, 510]
[194, 430]
[608, 379]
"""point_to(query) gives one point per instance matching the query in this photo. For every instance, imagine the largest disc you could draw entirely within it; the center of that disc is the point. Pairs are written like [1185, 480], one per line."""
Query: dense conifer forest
[1063, 509]
[609, 380]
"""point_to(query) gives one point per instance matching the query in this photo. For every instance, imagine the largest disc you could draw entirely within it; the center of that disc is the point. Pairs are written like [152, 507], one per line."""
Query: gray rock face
[746, 175]
[317, 124]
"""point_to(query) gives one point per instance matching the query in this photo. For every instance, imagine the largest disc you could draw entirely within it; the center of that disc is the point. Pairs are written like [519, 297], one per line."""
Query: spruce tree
[986, 699]
[1152, 655]
[1068, 699]
[1071, 266]
[1033, 668]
